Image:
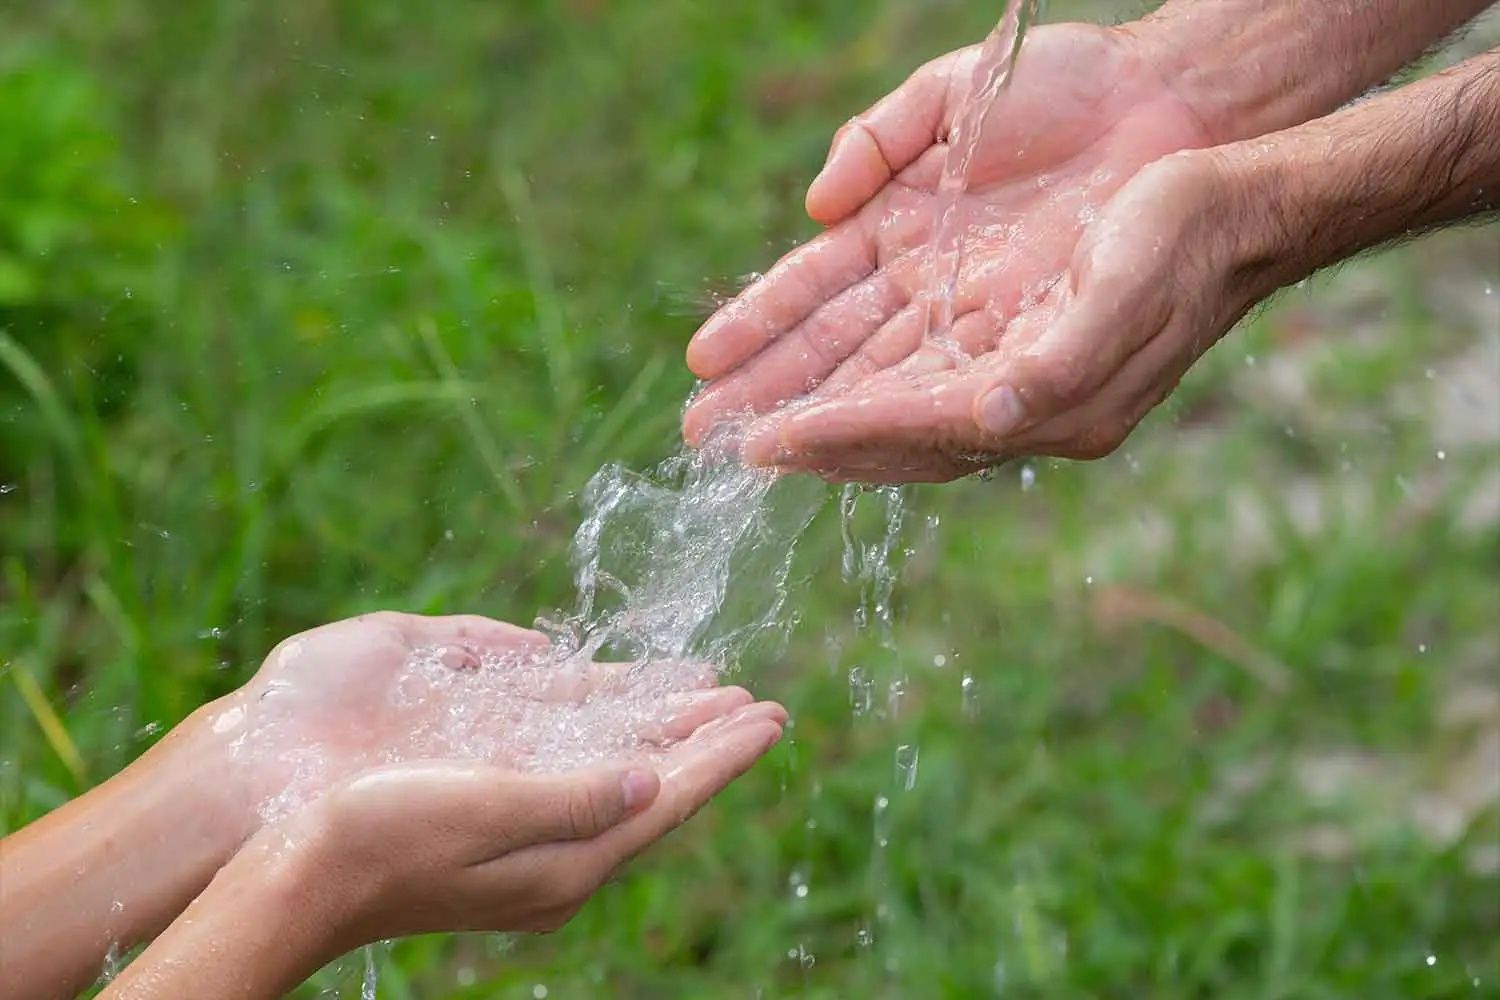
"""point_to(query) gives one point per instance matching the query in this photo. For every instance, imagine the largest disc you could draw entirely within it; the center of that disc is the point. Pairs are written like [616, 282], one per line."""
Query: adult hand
[1174, 260]
[1084, 112]
[432, 846]
[1152, 285]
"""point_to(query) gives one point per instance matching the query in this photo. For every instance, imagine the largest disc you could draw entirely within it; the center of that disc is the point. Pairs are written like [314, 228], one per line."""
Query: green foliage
[311, 308]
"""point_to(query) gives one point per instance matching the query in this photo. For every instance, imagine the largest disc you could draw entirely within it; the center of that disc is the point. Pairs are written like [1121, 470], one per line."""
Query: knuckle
[583, 812]
[1065, 382]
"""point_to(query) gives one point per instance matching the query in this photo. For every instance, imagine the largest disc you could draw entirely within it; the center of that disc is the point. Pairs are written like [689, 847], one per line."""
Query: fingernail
[1001, 412]
[773, 737]
[640, 788]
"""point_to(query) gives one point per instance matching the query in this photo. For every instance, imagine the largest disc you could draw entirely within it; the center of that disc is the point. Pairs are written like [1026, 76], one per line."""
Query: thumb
[574, 806]
[873, 147]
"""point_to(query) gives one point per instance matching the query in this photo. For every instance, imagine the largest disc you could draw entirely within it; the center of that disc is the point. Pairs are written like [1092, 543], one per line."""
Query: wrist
[266, 916]
[1247, 67]
[205, 777]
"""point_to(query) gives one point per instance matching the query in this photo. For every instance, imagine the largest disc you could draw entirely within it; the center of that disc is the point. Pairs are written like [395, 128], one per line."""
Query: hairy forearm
[1249, 67]
[1419, 156]
[113, 867]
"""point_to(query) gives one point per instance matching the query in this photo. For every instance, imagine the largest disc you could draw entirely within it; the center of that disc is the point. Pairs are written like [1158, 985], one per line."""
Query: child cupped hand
[385, 775]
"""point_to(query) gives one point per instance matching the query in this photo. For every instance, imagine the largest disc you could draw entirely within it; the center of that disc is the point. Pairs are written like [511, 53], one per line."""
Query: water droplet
[969, 692]
[895, 696]
[368, 987]
[1441, 455]
[906, 766]
[861, 691]
[940, 660]
[1431, 960]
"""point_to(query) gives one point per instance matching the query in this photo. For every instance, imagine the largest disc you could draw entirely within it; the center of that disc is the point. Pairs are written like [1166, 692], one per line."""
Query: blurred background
[311, 308]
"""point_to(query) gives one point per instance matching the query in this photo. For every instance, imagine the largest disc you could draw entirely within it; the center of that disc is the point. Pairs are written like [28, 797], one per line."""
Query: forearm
[1412, 158]
[114, 866]
[1249, 67]
[267, 921]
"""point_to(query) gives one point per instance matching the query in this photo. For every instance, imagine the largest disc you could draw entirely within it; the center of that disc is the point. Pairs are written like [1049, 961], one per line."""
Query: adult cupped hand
[1085, 111]
[1165, 271]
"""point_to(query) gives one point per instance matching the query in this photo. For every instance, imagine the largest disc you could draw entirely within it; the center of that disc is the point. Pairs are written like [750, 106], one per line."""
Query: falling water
[991, 76]
[654, 556]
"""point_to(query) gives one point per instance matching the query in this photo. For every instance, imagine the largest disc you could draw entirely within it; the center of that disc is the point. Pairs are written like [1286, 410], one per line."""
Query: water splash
[656, 560]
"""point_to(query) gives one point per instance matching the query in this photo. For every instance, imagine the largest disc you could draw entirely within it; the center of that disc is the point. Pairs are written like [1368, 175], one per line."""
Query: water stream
[992, 73]
[687, 566]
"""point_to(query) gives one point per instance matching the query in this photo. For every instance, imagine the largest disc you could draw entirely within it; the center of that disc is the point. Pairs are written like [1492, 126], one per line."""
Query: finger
[890, 368]
[1062, 365]
[694, 772]
[539, 809]
[804, 279]
[932, 414]
[685, 714]
[873, 147]
[1102, 425]
[890, 345]
[472, 630]
[798, 360]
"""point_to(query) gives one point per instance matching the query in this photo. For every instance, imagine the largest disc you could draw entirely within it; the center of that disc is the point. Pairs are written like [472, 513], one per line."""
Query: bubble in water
[969, 695]
[1028, 477]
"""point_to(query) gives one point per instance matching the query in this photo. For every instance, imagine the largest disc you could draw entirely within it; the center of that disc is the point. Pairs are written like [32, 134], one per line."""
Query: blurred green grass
[313, 308]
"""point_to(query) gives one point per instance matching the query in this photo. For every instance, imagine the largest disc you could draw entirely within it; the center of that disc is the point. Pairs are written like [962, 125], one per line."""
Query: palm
[1084, 113]
[355, 694]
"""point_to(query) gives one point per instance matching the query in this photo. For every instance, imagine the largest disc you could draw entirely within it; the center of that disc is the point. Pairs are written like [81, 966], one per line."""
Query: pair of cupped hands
[1065, 326]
